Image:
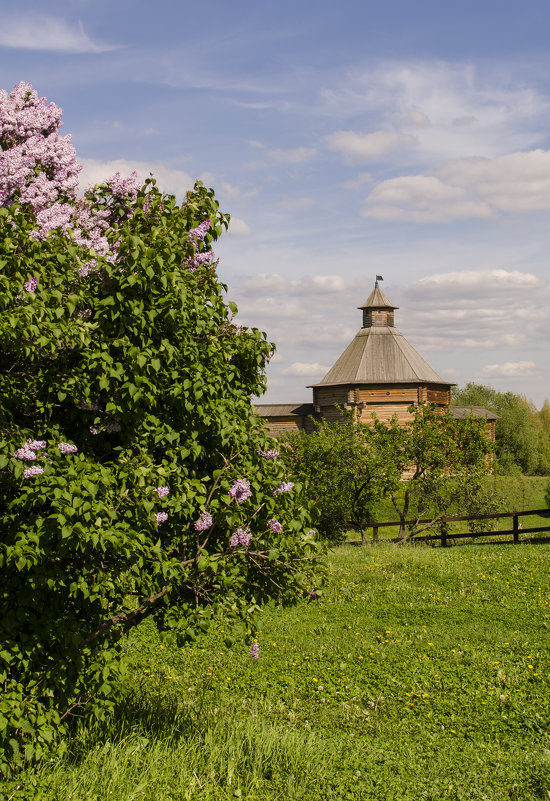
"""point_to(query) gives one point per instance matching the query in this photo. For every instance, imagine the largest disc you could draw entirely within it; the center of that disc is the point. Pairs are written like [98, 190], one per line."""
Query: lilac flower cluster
[28, 454]
[270, 454]
[274, 525]
[204, 522]
[254, 650]
[240, 537]
[39, 168]
[197, 235]
[35, 470]
[286, 486]
[240, 490]
[31, 284]
[36, 444]
[66, 447]
[198, 259]
[29, 450]
[161, 517]
[162, 492]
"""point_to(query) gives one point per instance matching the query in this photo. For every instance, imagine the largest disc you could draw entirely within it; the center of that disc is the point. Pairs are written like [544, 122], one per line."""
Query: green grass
[421, 673]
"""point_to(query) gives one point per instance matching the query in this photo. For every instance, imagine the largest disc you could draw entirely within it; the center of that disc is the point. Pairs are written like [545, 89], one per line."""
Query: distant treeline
[522, 432]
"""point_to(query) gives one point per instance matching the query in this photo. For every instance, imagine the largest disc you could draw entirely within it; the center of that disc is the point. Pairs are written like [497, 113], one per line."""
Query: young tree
[346, 472]
[444, 462]
[135, 479]
[431, 467]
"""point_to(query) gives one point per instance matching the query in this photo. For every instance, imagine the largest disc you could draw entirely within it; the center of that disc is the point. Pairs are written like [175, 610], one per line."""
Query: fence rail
[444, 536]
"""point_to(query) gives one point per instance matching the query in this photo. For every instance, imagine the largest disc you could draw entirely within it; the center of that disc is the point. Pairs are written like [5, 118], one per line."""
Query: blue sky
[408, 138]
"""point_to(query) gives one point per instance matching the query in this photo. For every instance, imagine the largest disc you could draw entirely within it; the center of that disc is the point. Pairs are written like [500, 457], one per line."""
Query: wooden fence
[444, 536]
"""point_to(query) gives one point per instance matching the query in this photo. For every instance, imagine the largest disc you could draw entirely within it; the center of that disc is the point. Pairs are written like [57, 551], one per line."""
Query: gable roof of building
[283, 409]
[472, 411]
[380, 355]
[377, 300]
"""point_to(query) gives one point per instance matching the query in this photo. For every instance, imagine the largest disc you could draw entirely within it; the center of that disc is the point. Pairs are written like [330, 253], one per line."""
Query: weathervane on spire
[378, 278]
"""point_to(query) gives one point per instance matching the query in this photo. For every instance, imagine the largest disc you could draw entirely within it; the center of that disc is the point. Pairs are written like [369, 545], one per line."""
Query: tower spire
[377, 310]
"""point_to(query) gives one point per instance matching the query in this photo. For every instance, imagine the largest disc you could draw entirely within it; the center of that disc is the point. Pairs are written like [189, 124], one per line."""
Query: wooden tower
[379, 371]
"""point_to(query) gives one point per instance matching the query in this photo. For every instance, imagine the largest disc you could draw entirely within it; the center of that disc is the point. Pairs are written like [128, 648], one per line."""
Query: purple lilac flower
[35, 470]
[94, 430]
[286, 486]
[36, 444]
[200, 231]
[204, 522]
[270, 454]
[240, 490]
[161, 517]
[31, 284]
[162, 491]
[240, 537]
[313, 595]
[254, 650]
[274, 525]
[25, 454]
[66, 447]
[198, 259]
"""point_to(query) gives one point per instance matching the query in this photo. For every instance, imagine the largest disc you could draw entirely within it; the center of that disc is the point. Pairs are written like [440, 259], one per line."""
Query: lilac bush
[129, 449]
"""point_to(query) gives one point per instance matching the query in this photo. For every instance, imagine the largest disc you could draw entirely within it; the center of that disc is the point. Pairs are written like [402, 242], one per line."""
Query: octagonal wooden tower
[379, 371]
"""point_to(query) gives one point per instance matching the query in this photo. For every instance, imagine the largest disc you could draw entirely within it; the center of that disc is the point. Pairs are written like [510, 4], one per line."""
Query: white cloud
[362, 179]
[169, 179]
[263, 284]
[231, 191]
[466, 188]
[238, 227]
[318, 285]
[422, 199]
[415, 119]
[41, 32]
[294, 155]
[474, 284]
[306, 369]
[367, 147]
[508, 370]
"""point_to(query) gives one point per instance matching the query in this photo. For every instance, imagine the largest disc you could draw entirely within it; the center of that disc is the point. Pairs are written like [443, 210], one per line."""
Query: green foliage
[138, 364]
[344, 471]
[522, 433]
[347, 468]
[444, 461]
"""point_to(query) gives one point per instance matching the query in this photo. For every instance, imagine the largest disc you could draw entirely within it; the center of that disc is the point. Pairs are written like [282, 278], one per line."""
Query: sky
[408, 139]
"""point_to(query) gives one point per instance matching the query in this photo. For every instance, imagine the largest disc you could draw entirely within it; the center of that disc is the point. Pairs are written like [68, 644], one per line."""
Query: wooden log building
[379, 372]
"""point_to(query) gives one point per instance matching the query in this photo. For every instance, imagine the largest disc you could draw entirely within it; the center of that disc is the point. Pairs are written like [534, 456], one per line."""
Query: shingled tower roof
[379, 353]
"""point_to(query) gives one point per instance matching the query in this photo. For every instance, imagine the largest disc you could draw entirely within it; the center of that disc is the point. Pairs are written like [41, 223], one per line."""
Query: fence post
[444, 534]
[516, 526]
[375, 534]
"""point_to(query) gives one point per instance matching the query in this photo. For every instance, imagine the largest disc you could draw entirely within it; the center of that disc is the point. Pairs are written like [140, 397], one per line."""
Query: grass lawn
[421, 673]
